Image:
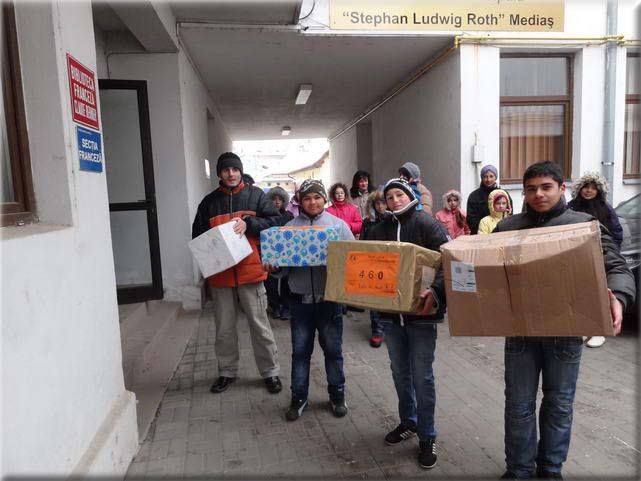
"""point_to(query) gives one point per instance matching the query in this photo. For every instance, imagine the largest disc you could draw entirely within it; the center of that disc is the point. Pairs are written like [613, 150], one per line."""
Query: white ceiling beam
[152, 23]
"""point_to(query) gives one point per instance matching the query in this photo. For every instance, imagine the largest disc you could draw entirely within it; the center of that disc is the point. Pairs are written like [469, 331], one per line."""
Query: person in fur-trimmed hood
[277, 286]
[377, 209]
[452, 216]
[280, 198]
[498, 203]
[590, 195]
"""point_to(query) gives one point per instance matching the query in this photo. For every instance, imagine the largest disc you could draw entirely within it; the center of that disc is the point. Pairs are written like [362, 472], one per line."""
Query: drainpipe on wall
[607, 160]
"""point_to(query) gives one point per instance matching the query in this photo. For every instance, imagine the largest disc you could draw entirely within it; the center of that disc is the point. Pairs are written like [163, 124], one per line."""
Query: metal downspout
[607, 160]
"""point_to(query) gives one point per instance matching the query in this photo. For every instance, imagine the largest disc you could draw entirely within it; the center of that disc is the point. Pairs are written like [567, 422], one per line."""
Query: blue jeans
[411, 352]
[327, 319]
[557, 360]
[377, 323]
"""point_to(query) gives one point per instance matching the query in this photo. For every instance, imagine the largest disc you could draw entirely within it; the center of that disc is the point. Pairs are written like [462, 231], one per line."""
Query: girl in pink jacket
[452, 216]
[343, 209]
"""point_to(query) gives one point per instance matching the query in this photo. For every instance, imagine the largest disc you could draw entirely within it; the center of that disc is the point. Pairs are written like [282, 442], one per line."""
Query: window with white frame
[535, 112]
[632, 135]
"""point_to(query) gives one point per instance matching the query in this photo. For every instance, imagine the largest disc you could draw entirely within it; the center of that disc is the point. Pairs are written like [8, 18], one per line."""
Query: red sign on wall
[82, 87]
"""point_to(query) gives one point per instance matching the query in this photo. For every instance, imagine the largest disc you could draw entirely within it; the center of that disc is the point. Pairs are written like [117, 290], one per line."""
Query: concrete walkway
[242, 433]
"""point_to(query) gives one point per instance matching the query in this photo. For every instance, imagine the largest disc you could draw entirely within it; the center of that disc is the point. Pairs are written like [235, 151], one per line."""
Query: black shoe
[273, 384]
[376, 340]
[339, 407]
[221, 384]
[401, 433]
[508, 475]
[285, 315]
[275, 312]
[543, 474]
[427, 453]
[296, 409]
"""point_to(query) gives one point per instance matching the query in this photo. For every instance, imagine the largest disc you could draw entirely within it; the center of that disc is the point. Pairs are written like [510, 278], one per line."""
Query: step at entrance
[154, 335]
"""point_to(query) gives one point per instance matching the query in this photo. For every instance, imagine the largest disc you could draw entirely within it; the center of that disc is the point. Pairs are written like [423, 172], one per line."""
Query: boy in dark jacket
[311, 313]
[240, 286]
[556, 359]
[276, 285]
[411, 339]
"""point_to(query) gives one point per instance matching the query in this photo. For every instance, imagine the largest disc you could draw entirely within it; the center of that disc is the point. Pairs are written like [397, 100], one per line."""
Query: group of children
[401, 211]
[363, 206]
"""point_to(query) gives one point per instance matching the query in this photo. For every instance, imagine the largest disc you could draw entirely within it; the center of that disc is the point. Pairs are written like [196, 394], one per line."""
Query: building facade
[97, 204]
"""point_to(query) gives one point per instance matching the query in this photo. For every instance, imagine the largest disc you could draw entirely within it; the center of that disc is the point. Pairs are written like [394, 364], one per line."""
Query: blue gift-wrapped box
[296, 246]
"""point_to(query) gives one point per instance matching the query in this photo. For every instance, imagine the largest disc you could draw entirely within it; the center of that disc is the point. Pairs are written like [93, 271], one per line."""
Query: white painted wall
[422, 125]
[195, 102]
[64, 407]
[343, 157]
[364, 147]
[203, 139]
[479, 114]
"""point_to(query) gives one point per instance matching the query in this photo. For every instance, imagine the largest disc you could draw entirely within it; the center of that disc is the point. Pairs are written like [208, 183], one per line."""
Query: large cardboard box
[219, 248]
[378, 275]
[297, 246]
[548, 281]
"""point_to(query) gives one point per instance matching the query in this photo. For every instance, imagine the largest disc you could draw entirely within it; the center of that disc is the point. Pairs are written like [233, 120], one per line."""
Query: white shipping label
[427, 277]
[463, 277]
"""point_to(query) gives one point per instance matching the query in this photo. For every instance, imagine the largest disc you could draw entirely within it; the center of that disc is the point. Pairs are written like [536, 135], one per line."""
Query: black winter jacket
[619, 277]
[477, 207]
[420, 228]
[369, 224]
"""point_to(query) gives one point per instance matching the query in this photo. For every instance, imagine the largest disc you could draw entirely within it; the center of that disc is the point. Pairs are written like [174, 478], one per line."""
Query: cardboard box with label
[379, 275]
[548, 281]
[298, 246]
[218, 249]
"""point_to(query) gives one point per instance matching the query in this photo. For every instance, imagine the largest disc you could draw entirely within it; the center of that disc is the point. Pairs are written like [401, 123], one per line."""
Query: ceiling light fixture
[304, 91]
[286, 131]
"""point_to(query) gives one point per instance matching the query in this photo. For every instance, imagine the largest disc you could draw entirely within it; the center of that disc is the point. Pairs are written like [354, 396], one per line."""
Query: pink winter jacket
[448, 219]
[349, 213]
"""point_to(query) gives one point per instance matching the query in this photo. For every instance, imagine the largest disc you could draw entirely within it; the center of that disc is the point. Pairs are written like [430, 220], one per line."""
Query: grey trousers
[253, 301]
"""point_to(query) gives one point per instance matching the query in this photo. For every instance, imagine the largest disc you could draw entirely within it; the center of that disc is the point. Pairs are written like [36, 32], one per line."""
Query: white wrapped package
[219, 249]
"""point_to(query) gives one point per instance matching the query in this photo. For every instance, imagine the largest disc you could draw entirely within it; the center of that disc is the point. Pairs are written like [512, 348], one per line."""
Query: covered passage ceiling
[252, 58]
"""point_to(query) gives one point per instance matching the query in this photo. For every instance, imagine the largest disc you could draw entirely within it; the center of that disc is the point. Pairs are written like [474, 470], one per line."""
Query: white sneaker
[595, 341]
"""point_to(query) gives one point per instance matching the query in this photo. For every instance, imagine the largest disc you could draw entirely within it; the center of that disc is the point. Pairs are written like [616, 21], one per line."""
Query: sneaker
[543, 474]
[273, 384]
[221, 384]
[595, 341]
[401, 433]
[339, 408]
[427, 453]
[376, 341]
[508, 475]
[296, 409]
